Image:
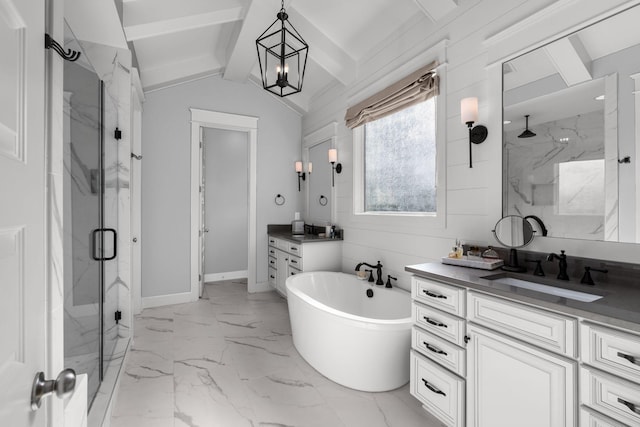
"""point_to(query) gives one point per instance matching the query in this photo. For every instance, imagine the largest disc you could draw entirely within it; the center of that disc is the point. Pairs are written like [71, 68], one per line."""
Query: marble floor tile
[228, 360]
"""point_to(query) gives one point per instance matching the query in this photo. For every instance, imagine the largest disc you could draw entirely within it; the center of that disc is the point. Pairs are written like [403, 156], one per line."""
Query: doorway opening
[201, 121]
[225, 204]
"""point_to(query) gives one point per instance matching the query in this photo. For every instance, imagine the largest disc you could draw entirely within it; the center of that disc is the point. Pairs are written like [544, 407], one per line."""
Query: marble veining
[228, 360]
[534, 185]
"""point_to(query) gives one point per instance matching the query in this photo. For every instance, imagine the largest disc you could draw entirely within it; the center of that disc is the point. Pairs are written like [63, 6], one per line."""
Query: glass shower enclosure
[90, 220]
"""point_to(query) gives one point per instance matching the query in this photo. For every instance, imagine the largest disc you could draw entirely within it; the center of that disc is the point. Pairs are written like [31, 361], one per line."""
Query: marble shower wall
[532, 180]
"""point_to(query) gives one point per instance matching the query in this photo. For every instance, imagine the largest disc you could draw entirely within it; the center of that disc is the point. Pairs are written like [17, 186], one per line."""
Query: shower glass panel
[90, 220]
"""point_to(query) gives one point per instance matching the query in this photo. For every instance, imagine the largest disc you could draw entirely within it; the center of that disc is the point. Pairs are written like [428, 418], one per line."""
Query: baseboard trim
[229, 275]
[261, 287]
[161, 300]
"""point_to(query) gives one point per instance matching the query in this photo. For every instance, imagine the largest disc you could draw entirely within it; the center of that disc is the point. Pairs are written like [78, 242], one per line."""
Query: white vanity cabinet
[287, 258]
[512, 377]
[609, 375]
[438, 361]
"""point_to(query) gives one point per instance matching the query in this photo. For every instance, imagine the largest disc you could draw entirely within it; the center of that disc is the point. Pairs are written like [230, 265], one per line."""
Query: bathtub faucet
[378, 268]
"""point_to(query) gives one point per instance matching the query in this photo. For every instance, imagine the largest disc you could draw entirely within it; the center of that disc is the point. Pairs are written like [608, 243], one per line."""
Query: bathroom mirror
[320, 201]
[573, 162]
[320, 184]
[513, 231]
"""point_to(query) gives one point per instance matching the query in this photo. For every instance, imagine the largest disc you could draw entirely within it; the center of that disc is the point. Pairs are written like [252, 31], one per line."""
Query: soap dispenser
[297, 225]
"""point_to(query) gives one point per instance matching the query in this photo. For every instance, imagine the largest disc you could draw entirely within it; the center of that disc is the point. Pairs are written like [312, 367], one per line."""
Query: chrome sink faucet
[378, 268]
[562, 264]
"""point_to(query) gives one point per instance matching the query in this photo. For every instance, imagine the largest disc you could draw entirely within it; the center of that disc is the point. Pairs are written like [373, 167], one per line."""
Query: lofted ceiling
[177, 41]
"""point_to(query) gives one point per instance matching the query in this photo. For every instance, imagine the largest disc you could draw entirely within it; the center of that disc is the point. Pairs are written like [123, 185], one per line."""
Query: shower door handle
[95, 232]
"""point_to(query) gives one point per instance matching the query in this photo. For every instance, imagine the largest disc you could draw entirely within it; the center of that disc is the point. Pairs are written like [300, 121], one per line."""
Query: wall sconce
[301, 175]
[335, 166]
[469, 114]
[310, 168]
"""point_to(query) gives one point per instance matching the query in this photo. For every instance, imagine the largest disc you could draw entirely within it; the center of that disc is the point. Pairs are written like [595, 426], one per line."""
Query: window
[399, 161]
[581, 187]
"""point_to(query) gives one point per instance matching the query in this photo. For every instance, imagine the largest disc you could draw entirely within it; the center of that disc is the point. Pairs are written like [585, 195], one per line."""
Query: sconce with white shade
[335, 166]
[301, 175]
[469, 114]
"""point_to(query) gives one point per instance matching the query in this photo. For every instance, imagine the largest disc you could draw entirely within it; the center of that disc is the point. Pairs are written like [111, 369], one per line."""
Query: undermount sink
[546, 289]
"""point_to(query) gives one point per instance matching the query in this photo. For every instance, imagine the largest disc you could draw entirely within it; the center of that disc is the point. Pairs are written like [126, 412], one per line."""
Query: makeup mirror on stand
[513, 232]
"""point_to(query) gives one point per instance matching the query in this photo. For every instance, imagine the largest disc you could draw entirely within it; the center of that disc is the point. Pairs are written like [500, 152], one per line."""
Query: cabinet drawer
[273, 276]
[294, 248]
[273, 242]
[440, 391]
[538, 327]
[295, 262]
[282, 244]
[611, 350]
[439, 323]
[590, 418]
[446, 354]
[613, 396]
[272, 251]
[272, 262]
[445, 297]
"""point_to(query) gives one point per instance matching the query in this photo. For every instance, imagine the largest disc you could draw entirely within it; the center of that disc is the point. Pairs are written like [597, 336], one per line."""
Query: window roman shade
[416, 87]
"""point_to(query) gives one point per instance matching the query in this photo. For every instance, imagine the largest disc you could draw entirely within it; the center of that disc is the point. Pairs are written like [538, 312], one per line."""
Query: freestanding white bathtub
[359, 342]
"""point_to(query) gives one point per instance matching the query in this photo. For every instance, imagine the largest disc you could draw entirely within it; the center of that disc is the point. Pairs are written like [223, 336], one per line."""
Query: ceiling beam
[436, 9]
[571, 60]
[324, 51]
[242, 56]
[184, 23]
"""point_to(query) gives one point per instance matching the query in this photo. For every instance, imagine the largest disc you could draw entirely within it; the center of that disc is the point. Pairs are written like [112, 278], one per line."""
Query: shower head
[526, 133]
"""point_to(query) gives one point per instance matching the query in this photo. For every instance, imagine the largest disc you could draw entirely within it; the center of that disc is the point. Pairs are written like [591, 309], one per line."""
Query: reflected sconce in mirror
[335, 166]
[301, 175]
[469, 114]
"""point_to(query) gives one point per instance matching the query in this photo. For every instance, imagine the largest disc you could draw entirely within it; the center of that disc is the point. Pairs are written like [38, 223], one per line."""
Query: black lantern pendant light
[526, 133]
[282, 56]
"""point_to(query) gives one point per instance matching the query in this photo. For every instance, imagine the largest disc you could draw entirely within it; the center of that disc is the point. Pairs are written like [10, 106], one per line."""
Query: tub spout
[378, 268]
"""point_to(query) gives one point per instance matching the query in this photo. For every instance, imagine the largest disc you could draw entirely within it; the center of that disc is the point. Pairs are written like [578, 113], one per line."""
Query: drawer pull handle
[432, 388]
[272, 276]
[629, 405]
[433, 348]
[432, 295]
[434, 322]
[293, 261]
[629, 358]
[294, 249]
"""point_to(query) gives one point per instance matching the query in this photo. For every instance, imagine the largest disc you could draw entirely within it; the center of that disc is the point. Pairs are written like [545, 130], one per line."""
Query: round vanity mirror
[513, 232]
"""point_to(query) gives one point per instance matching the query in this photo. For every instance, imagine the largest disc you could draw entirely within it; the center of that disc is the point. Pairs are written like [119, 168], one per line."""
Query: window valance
[416, 87]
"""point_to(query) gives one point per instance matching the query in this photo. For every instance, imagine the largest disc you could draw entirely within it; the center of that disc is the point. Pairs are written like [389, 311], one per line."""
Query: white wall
[226, 200]
[166, 173]
[473, 69]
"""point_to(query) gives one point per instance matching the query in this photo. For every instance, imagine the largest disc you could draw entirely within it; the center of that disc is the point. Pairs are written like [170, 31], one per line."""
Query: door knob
[62, 386]
[135, 240]
[206, 230]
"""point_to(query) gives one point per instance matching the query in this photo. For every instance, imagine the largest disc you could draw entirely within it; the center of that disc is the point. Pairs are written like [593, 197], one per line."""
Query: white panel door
[22, 209]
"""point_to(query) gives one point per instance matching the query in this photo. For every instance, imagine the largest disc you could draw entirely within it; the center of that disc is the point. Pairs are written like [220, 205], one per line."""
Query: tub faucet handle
[371, 279]
[388, 285]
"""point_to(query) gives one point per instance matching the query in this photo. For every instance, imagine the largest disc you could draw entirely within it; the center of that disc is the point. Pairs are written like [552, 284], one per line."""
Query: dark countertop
[620, 305]
[305, 238]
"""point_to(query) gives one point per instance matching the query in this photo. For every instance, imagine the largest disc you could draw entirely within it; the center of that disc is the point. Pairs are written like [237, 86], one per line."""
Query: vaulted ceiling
[177, 41]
